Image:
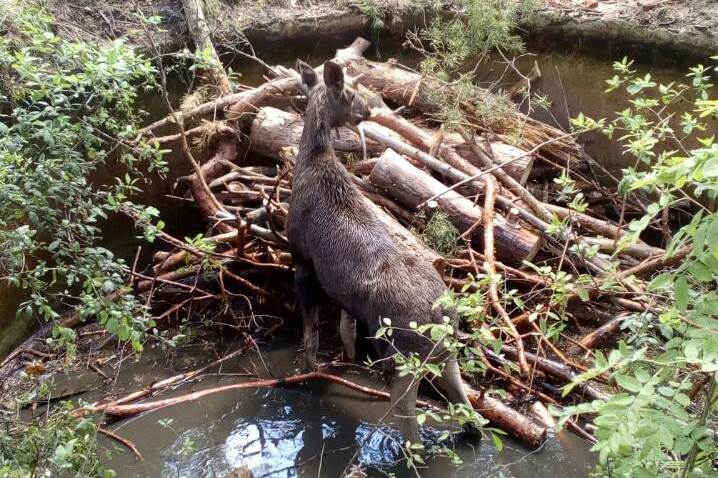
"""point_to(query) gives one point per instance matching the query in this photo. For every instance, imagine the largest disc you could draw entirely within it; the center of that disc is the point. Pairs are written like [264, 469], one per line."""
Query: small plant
[440, 234]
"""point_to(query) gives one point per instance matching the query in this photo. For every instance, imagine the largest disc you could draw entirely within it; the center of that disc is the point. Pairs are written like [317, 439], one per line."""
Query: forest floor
[681, 26]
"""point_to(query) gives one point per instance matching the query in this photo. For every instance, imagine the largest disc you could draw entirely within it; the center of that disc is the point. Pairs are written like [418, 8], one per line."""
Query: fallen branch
[490, 197]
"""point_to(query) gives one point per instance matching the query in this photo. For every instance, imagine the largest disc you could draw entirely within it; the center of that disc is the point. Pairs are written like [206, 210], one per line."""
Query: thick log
[274, 129]
[410, 187]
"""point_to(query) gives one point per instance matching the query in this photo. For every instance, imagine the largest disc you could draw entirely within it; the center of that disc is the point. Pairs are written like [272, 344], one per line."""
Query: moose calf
[341, 247]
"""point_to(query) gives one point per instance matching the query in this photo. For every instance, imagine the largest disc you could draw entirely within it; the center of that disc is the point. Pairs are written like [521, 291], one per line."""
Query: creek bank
[684, 31]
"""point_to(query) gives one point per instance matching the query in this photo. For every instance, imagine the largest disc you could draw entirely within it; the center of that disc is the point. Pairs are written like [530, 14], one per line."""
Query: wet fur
[341, 247]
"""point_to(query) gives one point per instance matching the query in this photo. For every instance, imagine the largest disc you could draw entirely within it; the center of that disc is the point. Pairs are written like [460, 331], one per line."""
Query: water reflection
[281, 446]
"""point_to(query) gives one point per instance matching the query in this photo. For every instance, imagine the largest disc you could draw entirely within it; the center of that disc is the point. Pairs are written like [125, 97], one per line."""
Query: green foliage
[376, 12]
[59, 445]
[663, 420]
[69, 112]
[451, 44]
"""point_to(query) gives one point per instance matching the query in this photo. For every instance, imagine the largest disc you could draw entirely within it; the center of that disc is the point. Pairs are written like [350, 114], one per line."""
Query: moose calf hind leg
[308, 290]
[453, 385]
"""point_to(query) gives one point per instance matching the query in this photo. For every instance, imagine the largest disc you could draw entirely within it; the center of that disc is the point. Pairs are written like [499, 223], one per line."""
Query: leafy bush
[68, 111]
[663, 421]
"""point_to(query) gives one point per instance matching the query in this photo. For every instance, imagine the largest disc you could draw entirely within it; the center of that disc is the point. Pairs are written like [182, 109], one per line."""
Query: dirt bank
[678, 30]
[670, 27]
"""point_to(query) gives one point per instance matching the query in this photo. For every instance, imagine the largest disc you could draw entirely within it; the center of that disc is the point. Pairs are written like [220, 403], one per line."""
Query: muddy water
[316, 429]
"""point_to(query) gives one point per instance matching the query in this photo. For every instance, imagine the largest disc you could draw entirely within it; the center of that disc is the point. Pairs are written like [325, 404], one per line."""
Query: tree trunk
[410, 187]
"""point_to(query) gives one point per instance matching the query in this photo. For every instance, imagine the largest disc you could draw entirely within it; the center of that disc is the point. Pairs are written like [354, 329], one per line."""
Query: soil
[684, 29]
[681, 27]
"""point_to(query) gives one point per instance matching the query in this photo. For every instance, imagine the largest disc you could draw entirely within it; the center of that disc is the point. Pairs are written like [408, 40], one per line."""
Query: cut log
[410, 187]
[604, 334]
[274, 129]
[506, 418]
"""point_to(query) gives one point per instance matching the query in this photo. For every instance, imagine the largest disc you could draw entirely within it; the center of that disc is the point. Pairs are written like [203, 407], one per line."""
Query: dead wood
[410, 187]
[490, 267]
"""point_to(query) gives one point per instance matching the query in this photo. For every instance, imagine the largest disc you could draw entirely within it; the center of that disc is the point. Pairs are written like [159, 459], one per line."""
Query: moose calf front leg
[307, 287]
[348, 333]
[404, 391]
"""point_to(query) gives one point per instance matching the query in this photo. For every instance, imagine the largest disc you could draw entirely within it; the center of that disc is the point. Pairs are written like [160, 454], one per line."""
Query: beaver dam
[527, 230]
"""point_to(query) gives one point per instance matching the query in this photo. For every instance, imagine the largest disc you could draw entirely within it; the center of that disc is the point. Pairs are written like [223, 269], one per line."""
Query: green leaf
[680, 291]
[629, 383]
[660, 281]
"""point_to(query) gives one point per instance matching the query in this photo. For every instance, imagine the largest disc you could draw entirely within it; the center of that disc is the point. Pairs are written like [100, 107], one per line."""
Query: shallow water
[303, 431]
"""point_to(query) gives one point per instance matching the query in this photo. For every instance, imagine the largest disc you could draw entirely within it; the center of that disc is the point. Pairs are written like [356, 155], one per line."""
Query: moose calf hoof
[310, 365]
[471, 433]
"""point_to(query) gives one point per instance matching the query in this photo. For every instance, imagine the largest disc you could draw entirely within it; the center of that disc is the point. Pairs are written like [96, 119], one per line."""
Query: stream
[315, 429]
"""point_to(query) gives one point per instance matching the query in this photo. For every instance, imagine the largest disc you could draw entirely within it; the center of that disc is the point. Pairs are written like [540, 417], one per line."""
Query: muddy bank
[669, 29]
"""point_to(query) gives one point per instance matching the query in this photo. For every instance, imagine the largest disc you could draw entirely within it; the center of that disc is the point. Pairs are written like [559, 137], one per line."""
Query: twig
[488, 217]
[132, 447]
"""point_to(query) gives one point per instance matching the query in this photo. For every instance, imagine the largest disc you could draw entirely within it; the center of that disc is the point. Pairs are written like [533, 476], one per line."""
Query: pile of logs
[498, 192]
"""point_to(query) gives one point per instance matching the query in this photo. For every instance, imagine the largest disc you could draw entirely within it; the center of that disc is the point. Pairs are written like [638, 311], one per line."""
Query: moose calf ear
[333, 76]
[309, 76]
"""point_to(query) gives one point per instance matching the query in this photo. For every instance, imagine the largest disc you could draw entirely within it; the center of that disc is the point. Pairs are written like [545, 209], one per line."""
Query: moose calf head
[336, 101]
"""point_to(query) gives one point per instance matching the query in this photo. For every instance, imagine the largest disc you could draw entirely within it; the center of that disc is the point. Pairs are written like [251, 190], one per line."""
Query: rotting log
[410, 187]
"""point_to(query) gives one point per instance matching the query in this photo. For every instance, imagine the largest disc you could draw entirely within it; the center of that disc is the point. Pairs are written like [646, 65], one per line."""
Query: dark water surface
[310, 430]
[315, 430]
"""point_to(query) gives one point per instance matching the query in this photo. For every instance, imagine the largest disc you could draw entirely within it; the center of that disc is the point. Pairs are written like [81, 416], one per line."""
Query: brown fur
[341, 247]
